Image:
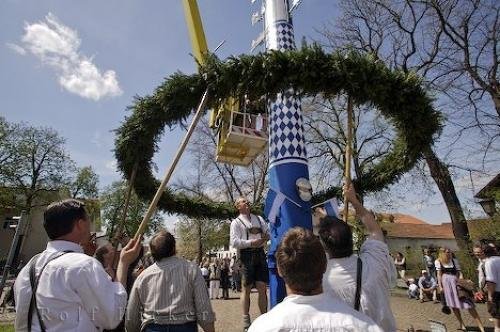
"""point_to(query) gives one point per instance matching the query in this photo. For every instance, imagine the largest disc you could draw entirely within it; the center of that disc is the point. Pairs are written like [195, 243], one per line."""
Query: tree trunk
[441, 175]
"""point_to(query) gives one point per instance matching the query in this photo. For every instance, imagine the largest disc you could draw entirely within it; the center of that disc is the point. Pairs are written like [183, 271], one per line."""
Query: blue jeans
[187, 327]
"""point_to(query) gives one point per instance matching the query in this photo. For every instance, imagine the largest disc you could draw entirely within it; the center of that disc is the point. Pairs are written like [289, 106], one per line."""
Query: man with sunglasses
[249, 234]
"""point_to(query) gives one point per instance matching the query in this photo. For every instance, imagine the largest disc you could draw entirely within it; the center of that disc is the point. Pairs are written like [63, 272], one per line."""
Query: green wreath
[397, 95]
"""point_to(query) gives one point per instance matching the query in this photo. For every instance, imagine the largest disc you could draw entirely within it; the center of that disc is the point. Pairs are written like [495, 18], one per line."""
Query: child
[412, 289]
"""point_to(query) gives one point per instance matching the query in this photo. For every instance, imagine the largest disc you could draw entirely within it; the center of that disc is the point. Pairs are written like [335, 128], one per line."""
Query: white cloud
[58, 46]
[16, 48]
[111, 165]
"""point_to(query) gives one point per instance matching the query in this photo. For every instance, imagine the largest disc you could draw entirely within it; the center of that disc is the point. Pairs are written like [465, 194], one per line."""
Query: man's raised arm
[367, 217]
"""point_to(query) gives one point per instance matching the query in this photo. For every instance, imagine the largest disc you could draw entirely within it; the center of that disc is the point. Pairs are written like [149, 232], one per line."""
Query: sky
[75, 66]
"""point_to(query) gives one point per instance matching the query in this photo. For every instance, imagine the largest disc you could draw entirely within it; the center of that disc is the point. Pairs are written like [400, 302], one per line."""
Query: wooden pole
[170, 170]
[348, 152]
[119, 229]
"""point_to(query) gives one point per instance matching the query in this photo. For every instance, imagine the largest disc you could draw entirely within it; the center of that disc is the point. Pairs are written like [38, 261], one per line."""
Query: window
[11, 222]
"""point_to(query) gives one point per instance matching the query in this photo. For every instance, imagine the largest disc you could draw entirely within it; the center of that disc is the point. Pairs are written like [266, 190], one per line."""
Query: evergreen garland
[399, 97]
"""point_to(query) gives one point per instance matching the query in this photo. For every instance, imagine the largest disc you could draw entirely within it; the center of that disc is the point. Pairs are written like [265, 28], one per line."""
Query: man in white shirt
[74, 292]
[301, 263]
[492, 273]
[249, 233]
[377, 271]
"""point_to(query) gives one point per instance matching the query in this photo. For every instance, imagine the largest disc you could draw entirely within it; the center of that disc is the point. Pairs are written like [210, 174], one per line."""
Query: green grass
[6, 328]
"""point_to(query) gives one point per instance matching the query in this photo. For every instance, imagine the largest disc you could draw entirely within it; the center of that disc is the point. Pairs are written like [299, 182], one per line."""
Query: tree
[112, 201]
[7, 136]
[404, 34]
[325, 122]
[85, 184]
[37, 162]
[472, 35]
[208, 234]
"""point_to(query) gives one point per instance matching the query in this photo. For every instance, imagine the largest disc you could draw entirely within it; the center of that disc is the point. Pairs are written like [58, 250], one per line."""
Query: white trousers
[214, 289]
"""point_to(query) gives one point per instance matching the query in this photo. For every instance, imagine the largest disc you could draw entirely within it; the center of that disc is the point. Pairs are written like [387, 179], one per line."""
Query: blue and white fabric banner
[274, 200]
[331, 207]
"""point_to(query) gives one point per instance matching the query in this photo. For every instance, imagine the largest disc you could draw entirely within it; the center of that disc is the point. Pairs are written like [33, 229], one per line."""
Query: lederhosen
[253, 260]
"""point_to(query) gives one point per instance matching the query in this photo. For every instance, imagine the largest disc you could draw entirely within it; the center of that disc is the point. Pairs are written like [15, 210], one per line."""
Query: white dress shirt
[239, 226]
[74, 293]
[323, 312]
[377, 278]
[492, 271]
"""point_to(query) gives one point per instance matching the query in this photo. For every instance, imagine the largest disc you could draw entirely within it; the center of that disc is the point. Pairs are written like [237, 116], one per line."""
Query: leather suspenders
[34, 286]
[357, 297]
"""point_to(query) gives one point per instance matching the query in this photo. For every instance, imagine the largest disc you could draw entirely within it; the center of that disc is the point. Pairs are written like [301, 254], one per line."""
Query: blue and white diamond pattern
[286, 128]
[281, 37]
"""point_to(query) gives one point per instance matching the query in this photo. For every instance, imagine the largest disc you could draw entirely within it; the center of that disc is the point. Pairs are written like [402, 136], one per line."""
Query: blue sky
[76, 65]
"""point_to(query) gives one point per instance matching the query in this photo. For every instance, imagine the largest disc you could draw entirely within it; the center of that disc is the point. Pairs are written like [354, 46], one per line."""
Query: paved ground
[407, 312]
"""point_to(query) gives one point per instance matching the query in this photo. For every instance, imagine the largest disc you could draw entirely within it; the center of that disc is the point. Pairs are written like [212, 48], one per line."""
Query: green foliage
[7, 328]
[468, 264]
[34, 160]
[201, 235]
[485, 229]
[414, 262]
[85, 184]
[112, 203]
[399, 97]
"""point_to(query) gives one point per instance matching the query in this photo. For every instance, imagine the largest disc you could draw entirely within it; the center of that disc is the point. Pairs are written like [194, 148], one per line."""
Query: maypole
[288, 169]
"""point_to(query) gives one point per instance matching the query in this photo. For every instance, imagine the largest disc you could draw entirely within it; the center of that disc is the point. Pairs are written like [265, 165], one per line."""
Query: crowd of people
[443, 279]
[329, 287]
[220, 274]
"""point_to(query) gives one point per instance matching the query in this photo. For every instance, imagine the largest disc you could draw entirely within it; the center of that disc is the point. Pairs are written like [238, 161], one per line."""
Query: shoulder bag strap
[357, 297]
[34, 286]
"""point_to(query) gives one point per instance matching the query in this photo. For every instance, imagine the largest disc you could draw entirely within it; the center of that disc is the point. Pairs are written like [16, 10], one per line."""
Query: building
[489, 196]
[34, 239]
[407, 232]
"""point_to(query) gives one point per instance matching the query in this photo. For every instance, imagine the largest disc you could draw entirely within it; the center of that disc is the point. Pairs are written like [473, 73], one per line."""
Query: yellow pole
[195, 27]
[198, 41]
[348, 152]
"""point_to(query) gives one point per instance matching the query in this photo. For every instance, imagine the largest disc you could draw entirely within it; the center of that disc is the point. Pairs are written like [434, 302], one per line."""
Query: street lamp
[488, 206]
